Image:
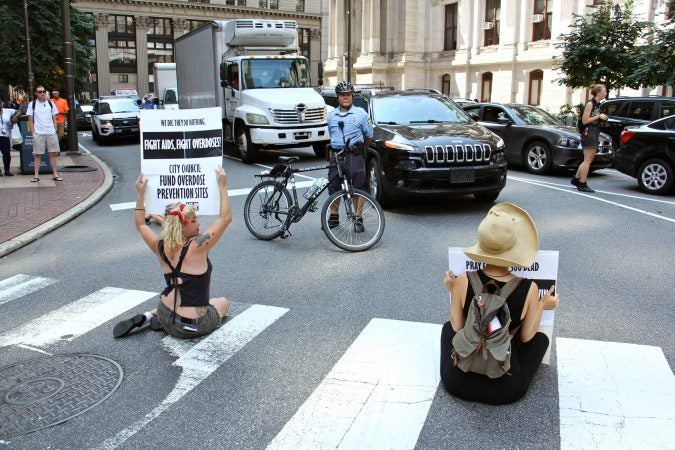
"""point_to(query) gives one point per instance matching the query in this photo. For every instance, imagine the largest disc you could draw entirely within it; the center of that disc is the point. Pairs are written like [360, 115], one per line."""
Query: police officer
[348, 123]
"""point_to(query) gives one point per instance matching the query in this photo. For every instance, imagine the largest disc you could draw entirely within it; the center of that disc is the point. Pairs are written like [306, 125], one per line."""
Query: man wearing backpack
[490, 348]
[42, 122]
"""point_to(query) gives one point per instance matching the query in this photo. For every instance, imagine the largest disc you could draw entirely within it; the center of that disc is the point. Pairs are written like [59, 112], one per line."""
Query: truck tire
[247, 150]
[319, 149]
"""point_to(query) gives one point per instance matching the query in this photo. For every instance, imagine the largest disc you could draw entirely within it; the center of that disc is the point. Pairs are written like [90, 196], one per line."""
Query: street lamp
[349, 40]
[73, 147]
[30, 67]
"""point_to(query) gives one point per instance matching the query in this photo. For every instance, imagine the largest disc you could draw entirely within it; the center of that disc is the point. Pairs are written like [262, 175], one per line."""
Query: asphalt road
[615, 281]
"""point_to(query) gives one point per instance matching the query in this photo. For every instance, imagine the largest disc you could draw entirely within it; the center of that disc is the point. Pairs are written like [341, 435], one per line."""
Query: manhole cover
[42, 392]
[77, 169]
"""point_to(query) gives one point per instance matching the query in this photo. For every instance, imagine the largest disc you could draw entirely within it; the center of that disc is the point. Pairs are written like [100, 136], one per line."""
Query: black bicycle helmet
[344, 87]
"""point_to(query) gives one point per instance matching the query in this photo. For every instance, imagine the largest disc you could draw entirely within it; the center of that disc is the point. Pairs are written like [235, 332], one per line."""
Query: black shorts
[354, 168]
[590, 138]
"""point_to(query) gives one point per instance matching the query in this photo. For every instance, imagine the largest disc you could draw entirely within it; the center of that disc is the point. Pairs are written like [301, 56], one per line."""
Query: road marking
[614, 395]
[378, 394]
[203, 358]
[77, 318]
[21, 285]
[572, 189]
[593, 197]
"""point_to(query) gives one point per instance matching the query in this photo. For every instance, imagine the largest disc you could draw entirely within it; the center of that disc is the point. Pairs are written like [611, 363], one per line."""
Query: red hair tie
[179, 212]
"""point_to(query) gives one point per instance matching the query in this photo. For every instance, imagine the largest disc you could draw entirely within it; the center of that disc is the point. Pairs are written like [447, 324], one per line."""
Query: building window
[304, 42]
[598, 2]
[268, 4]
[669, 11]
[160, 43]
[191, 24]
[300, 5]
[534, 91]
[541, 20]
[123, 78]
[235, 2]
[450, 41]
[491, 23]
[199, 1]
[486, 87]
[445, 84]
[122, 44]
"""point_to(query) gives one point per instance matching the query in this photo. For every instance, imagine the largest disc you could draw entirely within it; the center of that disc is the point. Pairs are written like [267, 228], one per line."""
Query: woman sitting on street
[185, 309]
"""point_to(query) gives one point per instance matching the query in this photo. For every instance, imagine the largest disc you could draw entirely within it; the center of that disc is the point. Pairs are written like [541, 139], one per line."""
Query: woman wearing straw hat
[507, 237]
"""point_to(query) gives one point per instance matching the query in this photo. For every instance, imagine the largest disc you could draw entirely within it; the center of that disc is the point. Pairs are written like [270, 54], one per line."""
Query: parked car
[114, 118]
[424, 144]
[627, 111]
[536, 139]
[647, 152]
[83, 116]
[462, 102]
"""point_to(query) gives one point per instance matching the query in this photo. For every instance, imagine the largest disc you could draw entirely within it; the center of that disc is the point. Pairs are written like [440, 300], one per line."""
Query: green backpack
[484, 344]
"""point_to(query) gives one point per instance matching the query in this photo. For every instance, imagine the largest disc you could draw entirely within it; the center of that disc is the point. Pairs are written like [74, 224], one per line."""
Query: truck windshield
[275, 73]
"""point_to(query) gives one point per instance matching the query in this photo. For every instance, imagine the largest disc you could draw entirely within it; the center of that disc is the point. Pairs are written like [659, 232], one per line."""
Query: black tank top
[515, 301]
[195, 289]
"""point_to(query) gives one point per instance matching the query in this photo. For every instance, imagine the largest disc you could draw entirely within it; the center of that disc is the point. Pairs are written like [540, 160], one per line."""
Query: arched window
[534, 91]
[445, 84]
[486, 87]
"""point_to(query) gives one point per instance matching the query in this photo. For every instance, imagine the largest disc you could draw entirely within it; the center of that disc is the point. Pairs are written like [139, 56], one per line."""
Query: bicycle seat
[288, 159]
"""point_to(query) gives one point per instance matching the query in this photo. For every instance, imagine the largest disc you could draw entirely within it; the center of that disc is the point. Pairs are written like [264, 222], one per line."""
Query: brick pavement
[24, 206]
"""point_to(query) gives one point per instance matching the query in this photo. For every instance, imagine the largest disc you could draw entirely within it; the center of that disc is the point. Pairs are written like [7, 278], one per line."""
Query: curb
[39, 231]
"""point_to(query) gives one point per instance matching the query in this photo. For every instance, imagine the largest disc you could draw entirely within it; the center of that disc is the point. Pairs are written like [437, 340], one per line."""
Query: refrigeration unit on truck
[252, 71]
[166, 86]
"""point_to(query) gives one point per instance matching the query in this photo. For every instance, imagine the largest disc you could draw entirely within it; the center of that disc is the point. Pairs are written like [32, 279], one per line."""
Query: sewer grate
[77, 169]
[43, 392]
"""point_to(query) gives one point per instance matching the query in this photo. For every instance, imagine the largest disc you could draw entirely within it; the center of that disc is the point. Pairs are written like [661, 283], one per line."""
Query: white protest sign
[180, 152]
[544, 271]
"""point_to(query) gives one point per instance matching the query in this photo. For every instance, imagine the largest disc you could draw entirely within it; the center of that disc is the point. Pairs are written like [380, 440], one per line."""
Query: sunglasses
[40, 92]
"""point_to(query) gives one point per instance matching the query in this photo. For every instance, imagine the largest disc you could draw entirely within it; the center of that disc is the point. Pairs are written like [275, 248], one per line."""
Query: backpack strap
[476, 284]
[505, 291]
[174, 272]
[51, 105]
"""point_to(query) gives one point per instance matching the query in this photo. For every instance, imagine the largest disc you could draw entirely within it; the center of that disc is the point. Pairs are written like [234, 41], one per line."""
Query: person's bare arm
[533, 309]
[148, 235]
[206, 240]
[459, 286]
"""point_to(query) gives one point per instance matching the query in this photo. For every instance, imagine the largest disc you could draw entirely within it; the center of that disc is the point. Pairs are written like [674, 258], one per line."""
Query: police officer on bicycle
[348, 123]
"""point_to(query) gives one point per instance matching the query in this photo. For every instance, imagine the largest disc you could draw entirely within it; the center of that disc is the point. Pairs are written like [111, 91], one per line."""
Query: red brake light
[626, 135]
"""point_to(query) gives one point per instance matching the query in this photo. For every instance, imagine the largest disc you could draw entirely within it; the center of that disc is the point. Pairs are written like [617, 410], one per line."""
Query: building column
[102, 54]
[374, 44]
[179, 28]
[142, 81]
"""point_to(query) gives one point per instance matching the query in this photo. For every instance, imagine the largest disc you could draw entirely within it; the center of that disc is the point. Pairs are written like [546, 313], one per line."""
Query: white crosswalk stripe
[21, 285]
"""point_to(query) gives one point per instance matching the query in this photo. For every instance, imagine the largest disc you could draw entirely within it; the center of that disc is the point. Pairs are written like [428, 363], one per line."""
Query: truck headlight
[257, 119]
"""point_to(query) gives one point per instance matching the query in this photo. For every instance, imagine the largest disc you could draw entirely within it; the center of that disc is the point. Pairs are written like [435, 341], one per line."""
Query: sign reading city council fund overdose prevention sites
[180, 152]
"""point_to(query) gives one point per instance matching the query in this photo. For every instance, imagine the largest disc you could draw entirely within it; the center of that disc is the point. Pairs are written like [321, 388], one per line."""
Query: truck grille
[453, 155]
[292, 116]
[131, 121]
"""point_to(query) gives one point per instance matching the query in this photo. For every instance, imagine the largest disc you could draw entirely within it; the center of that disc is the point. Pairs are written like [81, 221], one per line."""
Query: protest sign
[544, 271]
[180, 152]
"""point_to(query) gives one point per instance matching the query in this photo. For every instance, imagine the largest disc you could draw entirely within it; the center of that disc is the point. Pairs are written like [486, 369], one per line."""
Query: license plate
[462, 176]
[301, 135]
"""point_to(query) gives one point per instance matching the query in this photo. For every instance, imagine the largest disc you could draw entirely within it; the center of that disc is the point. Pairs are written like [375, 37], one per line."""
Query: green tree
[602, 48]
[46, 44]
[656, 60]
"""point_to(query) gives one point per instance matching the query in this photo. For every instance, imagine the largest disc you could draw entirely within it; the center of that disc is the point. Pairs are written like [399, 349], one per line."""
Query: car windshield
[119, 107]
[534, 116]
[275, 73]
[416, 109]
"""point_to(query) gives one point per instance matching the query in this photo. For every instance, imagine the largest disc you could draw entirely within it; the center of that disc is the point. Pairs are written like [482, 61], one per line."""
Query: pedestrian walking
[62, 106]
[8, 117]
[592, 121]
[42, 121]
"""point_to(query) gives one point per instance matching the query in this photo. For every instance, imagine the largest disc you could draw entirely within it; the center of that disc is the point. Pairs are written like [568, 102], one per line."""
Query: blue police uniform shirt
[357, 126]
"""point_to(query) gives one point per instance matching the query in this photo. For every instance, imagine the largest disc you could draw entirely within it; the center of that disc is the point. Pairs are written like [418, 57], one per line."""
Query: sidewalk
[30, 210]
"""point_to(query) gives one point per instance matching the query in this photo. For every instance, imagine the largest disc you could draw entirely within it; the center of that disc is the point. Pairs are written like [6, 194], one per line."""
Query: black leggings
[5, 148]
[525, 360]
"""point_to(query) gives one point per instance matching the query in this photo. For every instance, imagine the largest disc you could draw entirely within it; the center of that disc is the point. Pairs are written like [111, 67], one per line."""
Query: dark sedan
[647, 152]
[535, 139]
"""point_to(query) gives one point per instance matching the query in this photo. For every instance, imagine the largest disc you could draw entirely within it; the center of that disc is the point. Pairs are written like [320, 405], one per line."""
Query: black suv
[425, 144]
[626, 111]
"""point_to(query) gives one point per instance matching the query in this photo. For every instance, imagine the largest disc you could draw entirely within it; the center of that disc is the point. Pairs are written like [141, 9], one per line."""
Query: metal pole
[30, 67]
[68, 68]
[349, 40]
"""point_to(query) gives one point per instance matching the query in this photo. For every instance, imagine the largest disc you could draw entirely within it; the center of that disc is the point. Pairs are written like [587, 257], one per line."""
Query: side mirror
[504, 121]
[474, 116]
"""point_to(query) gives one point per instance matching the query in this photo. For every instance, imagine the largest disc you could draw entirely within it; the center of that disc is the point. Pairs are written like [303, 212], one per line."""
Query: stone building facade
[491, 50]
[131, 35]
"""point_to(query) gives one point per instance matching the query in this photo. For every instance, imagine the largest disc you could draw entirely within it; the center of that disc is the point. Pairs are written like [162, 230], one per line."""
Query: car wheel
[374, 182]
[248, 151]
[655, 176]
[538, 158]
[319, 149]
[95, 135]
[486, 197]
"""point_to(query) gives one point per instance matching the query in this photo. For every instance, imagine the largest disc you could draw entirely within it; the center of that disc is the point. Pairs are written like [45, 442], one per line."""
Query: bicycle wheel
[266, 210]
[352, 234]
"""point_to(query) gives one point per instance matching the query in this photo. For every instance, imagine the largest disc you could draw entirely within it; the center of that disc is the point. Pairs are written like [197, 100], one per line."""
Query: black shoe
[358, 225]
[155, 325]
[334, 221]
[583, 187]
[124, 327]
[575, 181]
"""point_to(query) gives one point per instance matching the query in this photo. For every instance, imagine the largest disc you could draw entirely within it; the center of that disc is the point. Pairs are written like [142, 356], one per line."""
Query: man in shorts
[62, 105]
[42, 122]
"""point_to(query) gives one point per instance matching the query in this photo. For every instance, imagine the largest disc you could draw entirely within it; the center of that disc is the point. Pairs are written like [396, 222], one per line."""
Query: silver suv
[114, 118]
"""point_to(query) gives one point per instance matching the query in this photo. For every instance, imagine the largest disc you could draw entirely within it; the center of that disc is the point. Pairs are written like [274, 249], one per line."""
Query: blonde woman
[186, 309]
[590, 136]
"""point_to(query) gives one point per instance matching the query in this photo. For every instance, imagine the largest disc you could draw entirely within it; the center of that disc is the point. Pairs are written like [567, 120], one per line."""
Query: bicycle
[270, 209]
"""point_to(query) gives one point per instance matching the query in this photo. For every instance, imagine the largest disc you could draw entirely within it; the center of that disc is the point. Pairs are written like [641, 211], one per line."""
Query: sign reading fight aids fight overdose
[180, 152]
[544, 272]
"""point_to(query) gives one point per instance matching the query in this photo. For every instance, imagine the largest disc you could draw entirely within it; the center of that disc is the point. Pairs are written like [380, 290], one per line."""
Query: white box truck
[251, 70]
[166, 86]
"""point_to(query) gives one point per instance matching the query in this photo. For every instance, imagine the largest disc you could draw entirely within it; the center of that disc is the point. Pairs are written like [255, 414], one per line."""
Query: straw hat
[507, 237]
